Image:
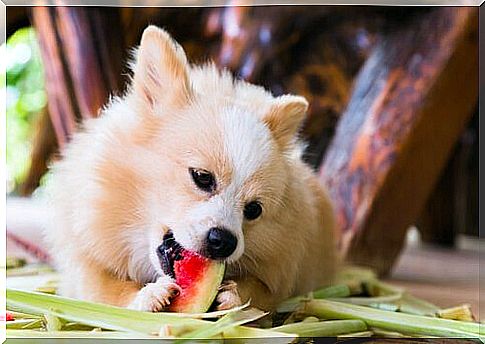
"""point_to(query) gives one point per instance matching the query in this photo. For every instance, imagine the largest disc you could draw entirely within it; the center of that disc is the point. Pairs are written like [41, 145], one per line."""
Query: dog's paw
[154, 297]
[228, 296]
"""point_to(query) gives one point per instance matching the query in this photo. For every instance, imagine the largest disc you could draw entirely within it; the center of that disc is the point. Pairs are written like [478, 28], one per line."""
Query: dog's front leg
[99, 285]
[228, 296]
[154, 297]
[235, 293]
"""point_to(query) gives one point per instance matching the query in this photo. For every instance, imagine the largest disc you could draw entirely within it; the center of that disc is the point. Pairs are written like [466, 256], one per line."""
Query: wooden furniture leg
[411, 101]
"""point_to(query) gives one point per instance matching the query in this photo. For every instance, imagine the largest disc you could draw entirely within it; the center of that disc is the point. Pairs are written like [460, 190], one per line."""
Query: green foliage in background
[26, 97]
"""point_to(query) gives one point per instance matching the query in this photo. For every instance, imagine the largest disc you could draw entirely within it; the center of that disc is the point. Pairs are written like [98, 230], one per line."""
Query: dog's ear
[161, 70]
[285, 117]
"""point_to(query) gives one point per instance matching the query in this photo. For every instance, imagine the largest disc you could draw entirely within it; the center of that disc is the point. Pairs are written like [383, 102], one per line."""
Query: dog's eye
[203, 179]
[252, 210]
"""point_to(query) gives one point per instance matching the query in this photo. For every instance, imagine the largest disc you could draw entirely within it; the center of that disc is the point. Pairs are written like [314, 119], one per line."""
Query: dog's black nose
[220, 243]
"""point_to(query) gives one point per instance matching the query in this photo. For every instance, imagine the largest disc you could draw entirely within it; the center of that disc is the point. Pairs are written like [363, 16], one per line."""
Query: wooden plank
[44, 149]
[62, 110]
[91, 64]
[410, 102]
[83, 56]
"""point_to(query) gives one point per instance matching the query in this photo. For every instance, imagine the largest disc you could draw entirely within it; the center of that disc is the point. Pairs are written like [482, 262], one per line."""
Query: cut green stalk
[354, 277]
[392, 321]
[291, 305]
[24, 324]
[32, 269]
[362, 334]
[30, 282]
[214, 314]
[413, 305]
[378, 288]
[462, 313]
[225, 323]
[19, 315]
[338, 290]
[367, 301]
[390, 307]
[52, 322]
[75, 326]
[323, 328]
[14, 262]
[382, 295]
[388, 334]
[75, 334]
[116, 318]
[353, 272]
[46, 290]
[96, 315]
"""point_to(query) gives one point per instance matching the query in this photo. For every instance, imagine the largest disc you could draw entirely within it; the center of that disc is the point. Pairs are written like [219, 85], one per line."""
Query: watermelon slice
[8, 316]
[198, 277]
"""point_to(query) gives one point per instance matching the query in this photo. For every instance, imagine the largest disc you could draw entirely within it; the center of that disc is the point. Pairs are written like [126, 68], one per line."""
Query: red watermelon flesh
[199, 278]
[8, 317]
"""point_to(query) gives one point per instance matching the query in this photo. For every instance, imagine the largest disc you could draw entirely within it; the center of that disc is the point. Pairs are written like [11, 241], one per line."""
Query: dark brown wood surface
[411, 101]
[452, 208]
[17, 18]
[44, 149]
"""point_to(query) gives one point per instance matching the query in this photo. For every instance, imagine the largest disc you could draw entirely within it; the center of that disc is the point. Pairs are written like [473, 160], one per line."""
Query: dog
[215, 161]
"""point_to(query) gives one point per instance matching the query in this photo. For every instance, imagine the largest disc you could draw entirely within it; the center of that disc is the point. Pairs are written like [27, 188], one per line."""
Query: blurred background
[392, 128]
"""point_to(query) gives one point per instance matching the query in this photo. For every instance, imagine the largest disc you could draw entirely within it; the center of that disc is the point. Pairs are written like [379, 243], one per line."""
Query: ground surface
[446, 277]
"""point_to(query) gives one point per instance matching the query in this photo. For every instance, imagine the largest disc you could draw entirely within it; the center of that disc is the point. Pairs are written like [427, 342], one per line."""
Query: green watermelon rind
[209, 284]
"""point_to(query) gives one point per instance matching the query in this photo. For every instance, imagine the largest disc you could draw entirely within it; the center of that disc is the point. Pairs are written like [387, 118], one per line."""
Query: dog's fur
[124, 180]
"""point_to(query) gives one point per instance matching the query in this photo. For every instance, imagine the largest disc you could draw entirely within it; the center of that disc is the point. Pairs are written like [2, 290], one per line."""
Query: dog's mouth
[169, 252]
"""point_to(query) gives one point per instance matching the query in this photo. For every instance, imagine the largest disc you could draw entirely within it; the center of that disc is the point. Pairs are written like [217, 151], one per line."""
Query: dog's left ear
[285, 118]
[161, 71]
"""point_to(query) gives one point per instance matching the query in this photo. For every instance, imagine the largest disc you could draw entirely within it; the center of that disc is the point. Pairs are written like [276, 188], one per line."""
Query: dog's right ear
[161, 70]
[285, 118]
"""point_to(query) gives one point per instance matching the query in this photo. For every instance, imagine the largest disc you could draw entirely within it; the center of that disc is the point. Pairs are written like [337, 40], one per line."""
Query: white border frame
[177, 3]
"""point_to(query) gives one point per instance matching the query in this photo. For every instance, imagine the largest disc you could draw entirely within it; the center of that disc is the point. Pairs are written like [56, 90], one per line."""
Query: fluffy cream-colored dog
[213, 160]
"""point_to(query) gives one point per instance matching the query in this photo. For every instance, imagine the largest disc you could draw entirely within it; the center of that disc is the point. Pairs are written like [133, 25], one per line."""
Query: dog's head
[213, 152]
